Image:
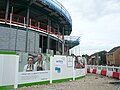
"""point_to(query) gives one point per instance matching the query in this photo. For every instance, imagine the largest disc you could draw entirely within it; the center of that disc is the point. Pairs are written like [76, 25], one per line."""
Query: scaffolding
[70, 42]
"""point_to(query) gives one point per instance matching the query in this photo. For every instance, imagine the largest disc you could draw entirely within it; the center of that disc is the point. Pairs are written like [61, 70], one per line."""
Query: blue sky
[97, 22]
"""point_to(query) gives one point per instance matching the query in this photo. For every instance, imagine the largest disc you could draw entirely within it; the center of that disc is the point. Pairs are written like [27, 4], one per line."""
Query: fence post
[16, 72]
[119, 71]
[101, 67]
[51, 58]
[73, 69]
[107, 70]
[94, 66]
[107, 67]
[86, 69]
[97, 69]
[113, 68]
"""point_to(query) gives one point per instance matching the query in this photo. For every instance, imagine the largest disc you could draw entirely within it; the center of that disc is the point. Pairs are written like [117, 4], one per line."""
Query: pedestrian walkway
[90, 82]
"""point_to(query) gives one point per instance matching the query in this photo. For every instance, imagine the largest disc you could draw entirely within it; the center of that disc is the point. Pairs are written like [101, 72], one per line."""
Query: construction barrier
[109, 71]
[94, 71]
[103, 72]
[13, 74]
[88, 70]
[116, 75]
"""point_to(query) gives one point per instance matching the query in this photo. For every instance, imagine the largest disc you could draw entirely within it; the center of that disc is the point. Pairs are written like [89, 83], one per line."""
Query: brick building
[113, 56]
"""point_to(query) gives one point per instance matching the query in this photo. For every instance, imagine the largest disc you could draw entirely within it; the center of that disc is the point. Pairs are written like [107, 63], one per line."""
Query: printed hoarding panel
[8, 69]
[60, 69]
[36, 76]
[33, 67]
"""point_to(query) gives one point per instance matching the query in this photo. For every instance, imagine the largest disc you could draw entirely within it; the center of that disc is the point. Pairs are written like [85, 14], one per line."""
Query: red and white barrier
[109, 71]
[94, 71]
[98, 71]
[103, 72]
[116, 75]
[91, 70]
[88, 70]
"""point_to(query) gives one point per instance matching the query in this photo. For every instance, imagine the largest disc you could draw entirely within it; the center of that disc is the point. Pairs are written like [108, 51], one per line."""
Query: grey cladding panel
[4, 38]
[12, 39]
[37, 42]
[31, 41]
[21, 38]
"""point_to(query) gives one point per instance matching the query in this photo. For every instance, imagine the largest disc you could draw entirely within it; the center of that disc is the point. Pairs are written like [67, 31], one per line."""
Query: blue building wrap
[57, 6]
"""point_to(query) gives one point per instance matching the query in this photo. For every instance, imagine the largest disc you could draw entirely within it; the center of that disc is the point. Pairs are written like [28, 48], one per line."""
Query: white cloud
[96, 22]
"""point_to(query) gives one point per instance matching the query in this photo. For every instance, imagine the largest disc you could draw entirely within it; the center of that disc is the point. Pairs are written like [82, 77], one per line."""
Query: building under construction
[34, 26]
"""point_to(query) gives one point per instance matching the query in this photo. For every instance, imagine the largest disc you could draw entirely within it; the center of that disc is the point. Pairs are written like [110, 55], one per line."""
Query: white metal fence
[61, 67]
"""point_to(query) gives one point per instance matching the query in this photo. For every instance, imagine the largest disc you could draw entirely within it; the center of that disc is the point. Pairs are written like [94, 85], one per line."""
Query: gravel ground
[90, 82]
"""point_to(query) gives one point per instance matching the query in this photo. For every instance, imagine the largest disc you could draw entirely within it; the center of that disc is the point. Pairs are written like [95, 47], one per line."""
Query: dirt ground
[90, 82]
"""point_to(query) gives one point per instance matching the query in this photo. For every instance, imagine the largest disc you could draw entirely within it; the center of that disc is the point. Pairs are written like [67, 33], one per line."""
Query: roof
[114, 49]
[98, 53]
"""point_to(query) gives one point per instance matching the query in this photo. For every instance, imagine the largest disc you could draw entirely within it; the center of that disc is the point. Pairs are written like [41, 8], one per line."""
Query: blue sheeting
[72, 38]
[57, 6]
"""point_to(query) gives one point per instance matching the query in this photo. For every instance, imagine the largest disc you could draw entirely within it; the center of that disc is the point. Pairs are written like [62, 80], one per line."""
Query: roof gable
[114, 49]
